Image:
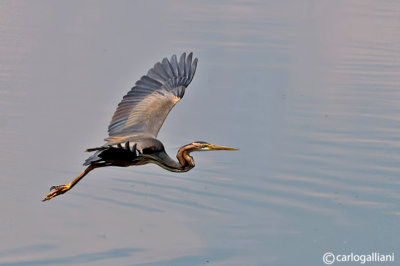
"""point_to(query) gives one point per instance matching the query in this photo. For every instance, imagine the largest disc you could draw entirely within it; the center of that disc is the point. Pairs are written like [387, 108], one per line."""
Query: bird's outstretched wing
[143, 110]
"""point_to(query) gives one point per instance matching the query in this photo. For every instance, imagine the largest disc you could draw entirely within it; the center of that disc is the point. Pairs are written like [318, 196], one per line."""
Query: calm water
[308, 90]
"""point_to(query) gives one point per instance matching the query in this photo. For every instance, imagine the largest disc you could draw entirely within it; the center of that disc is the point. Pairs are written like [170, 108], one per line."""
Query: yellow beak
[217, 147]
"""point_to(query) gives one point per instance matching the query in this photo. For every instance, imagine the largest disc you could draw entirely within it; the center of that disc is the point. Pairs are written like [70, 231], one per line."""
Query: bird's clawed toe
[55, 187]
[57, 190]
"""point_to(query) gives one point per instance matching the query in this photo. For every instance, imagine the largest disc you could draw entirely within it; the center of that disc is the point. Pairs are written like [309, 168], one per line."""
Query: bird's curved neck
[185, 161]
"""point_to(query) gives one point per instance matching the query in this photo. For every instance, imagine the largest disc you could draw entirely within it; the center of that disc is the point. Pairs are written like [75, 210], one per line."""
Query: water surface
[308, 90]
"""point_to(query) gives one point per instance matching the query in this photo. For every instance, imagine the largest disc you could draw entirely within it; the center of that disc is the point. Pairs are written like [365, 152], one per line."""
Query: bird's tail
[94, 157]
[96, 149]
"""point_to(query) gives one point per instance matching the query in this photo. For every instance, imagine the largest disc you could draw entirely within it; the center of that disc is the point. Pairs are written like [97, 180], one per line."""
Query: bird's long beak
[217, 147]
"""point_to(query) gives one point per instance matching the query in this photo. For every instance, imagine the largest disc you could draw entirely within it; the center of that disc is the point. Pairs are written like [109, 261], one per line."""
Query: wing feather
[144, 108]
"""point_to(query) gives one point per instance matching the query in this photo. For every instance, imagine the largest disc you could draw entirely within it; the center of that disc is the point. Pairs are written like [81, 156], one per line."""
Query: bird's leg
[61, 189]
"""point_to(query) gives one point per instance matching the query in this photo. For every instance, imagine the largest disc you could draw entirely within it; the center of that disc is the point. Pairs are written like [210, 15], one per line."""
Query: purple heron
[139, 116]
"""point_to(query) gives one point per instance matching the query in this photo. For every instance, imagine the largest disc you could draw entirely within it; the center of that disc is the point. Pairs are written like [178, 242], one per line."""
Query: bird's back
[132, 151]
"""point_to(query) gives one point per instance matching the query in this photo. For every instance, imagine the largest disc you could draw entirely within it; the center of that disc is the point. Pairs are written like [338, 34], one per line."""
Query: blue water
[309, 91]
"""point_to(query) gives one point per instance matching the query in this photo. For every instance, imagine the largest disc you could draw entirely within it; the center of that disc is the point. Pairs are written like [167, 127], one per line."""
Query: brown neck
[185, 161]
[184, 158]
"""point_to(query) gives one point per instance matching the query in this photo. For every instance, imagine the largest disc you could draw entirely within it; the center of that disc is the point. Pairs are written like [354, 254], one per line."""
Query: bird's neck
[185, 161]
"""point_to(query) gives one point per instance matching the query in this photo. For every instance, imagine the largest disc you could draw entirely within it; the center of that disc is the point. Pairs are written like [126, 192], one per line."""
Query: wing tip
[173, 73]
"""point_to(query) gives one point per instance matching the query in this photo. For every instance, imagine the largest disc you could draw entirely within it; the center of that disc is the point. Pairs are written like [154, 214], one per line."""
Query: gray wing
[143, 110]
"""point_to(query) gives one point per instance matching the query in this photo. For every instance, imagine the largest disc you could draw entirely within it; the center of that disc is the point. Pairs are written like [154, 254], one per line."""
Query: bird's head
[204, 146]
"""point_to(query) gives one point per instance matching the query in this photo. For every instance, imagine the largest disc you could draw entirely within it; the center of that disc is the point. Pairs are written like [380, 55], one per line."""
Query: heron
[132, 132]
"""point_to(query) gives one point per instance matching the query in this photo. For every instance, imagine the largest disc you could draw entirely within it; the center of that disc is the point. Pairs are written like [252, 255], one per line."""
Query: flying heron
[139, 116]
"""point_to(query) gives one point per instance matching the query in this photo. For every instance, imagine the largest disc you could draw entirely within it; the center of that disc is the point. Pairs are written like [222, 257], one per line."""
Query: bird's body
[137, 151]
[139, 116]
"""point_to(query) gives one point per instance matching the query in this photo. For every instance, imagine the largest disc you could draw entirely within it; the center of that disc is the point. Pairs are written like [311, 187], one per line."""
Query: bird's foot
[57, 190]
